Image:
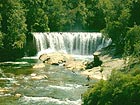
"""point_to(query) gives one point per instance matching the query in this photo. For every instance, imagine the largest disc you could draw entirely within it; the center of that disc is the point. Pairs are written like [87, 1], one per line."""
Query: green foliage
[116, 19]
[135, 69]
[95, 17]
[12, 29]
[133, 41]
[135, 15]
[57, 15]
[13, 24]
[66, 15]
[120, 89]
[117, 16]
[37, 19]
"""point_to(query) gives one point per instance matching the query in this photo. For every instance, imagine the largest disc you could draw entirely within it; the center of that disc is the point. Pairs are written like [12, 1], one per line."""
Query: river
[58, 86]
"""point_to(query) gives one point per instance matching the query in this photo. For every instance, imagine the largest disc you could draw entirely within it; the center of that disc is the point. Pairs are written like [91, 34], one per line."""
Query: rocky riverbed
[69, 62]
[21, 84]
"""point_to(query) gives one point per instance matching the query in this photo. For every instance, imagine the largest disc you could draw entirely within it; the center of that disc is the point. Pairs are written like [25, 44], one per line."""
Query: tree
[13, 28]
[135, 15]
[120, 89]
[133, 41]
[117, 16]
[36, 17]
[95, 17]
[13, 24]
[56, 14]
[66, 15]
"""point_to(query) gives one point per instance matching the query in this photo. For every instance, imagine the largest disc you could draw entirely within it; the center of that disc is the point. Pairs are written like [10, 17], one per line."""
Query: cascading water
[21, 83]
[77, 43]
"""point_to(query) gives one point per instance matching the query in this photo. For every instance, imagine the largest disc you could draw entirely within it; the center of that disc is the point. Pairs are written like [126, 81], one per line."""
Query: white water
[67, 87]
[48, 100]
[77, 43]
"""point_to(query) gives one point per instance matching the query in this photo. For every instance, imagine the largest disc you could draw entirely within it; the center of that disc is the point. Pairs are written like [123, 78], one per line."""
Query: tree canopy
[115, 19]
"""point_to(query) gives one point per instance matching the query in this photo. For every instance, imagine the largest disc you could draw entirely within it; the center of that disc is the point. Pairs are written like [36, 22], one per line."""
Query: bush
[133, 41]
[120, 89]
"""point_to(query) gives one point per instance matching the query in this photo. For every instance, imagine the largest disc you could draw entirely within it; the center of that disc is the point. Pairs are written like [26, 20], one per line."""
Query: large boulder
[55, 58]
[66, 60]
[75, 65]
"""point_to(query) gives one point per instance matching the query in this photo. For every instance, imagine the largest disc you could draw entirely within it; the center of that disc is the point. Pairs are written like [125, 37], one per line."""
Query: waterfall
[77, 43]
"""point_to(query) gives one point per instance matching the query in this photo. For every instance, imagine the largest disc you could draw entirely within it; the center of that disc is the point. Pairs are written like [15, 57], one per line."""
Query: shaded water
[59, 87]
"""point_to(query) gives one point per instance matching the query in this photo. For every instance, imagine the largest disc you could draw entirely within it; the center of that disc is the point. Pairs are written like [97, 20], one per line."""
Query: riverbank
[105, 70]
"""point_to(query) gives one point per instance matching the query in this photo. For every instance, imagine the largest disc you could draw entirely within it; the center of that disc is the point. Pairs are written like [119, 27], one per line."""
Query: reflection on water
[56, 86]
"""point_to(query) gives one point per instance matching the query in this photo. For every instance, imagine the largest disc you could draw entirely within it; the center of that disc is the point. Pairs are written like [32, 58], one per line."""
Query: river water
[58, 86]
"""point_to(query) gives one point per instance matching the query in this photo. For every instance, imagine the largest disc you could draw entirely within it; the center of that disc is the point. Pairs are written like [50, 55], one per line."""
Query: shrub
[119, 89]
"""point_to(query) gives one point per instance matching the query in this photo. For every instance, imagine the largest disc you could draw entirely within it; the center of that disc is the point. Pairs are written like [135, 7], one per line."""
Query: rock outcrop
[38, 77]
[75, 65]
[39, 65]
[55, 58]
[104, 71]
[60, 59]
[66, 60]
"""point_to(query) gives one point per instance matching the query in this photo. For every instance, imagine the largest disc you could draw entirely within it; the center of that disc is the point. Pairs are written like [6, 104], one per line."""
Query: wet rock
[4, 90]
[104, 71]
[39, 65]
[95, 63]
[44, 57]
[33, 74]
[55, 58]
[5, 80]
[62, 59]
[75, 65]
[38, 77]
[18, 95]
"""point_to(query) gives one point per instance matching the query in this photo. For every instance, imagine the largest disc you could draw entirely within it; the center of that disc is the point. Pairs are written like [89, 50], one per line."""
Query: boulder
[38, 77]
[39, 65]
[75, 65]
[55, 58]
[4, 90]
[18, 95]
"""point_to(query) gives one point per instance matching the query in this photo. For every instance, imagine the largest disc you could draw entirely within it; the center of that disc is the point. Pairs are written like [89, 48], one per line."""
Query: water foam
[46, 100]
[66, 86]
[14, 63]
[82, 43]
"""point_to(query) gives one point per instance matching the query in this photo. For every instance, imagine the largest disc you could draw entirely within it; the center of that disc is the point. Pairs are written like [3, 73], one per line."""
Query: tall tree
[95, 17]
[13, 24]
[135, 15]
[37, 19]
[117, 16]
[67, 15]
[77, 14]
[13, 29]
[56, 14]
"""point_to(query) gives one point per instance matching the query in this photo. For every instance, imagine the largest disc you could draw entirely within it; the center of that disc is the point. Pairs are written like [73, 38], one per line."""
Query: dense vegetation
[120, 89]
[118, 19]
[122, 25]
